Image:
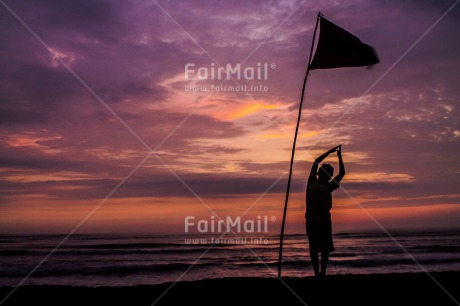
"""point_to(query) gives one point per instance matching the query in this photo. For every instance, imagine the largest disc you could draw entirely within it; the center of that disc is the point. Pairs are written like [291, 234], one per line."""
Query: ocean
[127, 260]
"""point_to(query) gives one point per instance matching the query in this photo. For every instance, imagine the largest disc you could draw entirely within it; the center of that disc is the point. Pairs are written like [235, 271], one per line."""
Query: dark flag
[339, 48]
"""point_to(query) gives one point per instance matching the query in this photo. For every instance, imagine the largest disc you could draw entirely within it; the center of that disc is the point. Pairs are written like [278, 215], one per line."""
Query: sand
[384, 289]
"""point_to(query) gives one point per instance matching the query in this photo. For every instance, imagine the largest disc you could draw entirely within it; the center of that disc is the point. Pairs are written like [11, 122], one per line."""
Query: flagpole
[293, 150]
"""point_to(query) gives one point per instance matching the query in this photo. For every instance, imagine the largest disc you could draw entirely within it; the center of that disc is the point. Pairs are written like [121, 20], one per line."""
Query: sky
[89, 89]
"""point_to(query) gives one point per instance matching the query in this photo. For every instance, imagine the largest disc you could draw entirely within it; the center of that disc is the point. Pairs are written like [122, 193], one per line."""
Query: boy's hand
[334, 149]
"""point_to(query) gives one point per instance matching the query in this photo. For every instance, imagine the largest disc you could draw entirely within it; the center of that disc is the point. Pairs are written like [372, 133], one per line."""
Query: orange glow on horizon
[167, 214]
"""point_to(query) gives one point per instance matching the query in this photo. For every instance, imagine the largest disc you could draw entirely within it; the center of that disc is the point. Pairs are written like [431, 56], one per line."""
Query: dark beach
[377, 289]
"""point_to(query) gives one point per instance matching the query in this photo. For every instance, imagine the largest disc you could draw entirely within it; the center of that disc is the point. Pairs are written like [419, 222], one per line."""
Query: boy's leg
[314, 262]
[324, 261]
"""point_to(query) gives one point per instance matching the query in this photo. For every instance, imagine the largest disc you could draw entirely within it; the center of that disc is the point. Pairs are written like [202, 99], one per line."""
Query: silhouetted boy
[318, 223]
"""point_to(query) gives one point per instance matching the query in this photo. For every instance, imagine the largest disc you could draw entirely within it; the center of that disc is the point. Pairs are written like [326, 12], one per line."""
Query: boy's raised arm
[318, 160]
[341, 174]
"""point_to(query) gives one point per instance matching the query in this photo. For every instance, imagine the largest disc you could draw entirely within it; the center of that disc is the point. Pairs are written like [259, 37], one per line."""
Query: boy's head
[325, 172]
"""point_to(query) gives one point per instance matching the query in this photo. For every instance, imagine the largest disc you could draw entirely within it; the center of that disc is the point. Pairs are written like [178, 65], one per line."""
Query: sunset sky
[87, 88]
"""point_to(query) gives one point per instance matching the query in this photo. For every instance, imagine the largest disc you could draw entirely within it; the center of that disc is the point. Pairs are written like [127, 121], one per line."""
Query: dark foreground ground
[390, 289]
